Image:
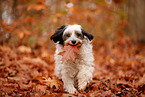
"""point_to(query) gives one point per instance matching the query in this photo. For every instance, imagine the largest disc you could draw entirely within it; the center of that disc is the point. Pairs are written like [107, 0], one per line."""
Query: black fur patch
[57, 36]
[90, 36]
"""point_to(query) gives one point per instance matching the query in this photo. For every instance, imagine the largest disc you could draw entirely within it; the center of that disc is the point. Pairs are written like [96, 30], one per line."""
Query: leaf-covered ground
[119, 71]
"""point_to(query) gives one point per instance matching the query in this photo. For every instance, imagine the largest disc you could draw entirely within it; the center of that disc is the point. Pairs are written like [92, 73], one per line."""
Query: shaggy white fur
[76, 73]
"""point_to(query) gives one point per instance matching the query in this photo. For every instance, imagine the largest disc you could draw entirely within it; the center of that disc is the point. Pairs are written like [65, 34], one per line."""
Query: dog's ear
[57, 36]
[90, 36]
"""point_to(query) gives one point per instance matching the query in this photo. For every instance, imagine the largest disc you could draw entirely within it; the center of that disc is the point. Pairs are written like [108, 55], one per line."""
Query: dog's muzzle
[74, 43]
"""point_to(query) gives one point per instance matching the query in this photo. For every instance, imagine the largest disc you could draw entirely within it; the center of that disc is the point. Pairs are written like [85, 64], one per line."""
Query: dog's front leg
[68, 83]
[84, 76]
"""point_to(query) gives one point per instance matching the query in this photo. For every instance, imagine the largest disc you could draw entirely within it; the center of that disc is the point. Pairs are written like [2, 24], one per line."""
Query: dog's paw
[71, 90]
[82, 85]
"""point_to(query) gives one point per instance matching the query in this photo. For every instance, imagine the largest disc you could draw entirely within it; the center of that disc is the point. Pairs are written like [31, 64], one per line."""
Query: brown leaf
[52, 82]
[106, 94]
[24, 49]
[35, 74]
[36, 61]
[124, 83]
[24, 67]
[141, 81]
[16, 78]
[12, 72]
[10, 85]
[41, 88]
[24, 86]
[47, 56]
[69, 52]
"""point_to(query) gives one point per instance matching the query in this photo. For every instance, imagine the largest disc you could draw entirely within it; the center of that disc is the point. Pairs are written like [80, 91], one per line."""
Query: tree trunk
[136, 18]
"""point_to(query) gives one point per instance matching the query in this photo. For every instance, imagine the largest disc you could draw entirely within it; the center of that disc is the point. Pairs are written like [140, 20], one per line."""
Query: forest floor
[119, 71]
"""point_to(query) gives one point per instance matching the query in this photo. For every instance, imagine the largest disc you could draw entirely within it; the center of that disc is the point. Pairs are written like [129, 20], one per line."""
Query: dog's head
[70, 35]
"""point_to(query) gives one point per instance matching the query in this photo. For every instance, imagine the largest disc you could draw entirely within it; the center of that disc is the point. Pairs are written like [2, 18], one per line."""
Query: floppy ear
[57, 36]
[90, 36]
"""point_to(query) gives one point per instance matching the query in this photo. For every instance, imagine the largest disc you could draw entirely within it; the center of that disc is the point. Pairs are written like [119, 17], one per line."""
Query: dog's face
[70, 35]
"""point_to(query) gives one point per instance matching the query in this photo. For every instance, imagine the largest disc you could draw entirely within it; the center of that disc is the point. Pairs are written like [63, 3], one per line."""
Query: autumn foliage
[118, 71]
[69, 52]
[26, 51]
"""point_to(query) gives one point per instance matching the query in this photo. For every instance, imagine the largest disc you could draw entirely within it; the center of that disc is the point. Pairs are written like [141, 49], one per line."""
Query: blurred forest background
[26, 51]
[31, 22]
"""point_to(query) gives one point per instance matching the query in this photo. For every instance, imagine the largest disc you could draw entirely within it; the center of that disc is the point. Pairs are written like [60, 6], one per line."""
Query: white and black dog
[79, 72]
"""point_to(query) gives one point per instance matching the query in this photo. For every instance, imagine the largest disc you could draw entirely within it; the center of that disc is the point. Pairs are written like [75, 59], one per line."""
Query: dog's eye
[67, 35]
[78, 34]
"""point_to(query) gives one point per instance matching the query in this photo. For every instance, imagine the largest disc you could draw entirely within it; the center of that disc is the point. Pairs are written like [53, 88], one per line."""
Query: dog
[75, 74]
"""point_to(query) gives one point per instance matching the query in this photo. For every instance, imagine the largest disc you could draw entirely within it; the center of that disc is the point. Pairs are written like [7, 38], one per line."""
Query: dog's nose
[73, 41]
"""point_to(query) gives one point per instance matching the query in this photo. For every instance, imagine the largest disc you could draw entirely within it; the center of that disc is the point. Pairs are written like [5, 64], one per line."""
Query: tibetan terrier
[75, 74]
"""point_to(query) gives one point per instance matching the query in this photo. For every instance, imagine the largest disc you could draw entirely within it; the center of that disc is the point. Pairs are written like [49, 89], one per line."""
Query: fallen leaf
[69, 52]
[119, 82]
[12, 72]
[11, 85]
[41, 88]
[52, 83]
[141, 81]
[36, 61]
[7, 90]
[35, 74]
[24, 49]
[24, 86]
[47, 56]
[106, 94]
[16, 79]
